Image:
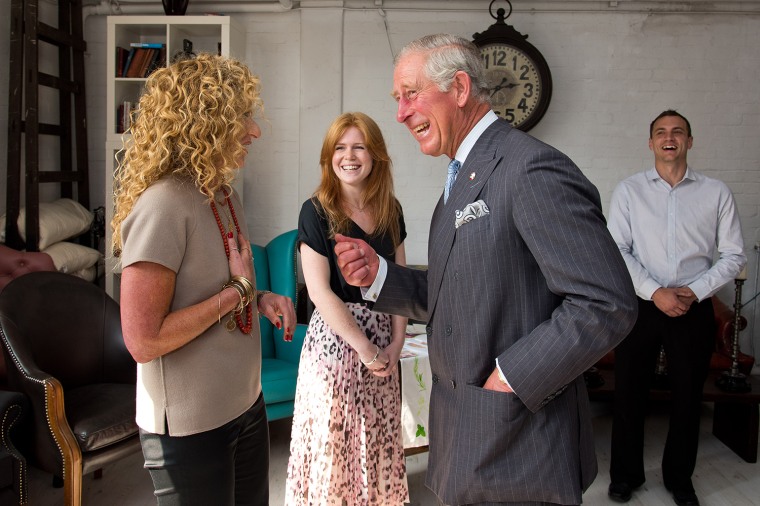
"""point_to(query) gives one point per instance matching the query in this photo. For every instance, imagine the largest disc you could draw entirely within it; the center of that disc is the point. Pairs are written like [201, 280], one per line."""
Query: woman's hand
[393, 351]
[278, 307]
[375, 361]
[241, 256]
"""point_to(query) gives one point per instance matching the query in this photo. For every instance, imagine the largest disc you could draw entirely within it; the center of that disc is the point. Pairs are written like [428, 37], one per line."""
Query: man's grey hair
[446, 55]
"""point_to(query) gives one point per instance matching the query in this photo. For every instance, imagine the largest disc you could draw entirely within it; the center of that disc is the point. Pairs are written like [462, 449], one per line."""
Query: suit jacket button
[448, 330]
[453, 384]
[429, 330]
[435, 378]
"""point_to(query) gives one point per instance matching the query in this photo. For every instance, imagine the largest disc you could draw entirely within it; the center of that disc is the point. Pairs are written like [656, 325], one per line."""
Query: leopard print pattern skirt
[346, 446]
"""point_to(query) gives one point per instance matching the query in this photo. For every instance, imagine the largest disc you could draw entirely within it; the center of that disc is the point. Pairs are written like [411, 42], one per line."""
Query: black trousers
[688, 341]
[224, 466]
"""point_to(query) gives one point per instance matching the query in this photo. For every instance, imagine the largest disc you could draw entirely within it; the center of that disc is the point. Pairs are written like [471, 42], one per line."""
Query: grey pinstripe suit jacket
[537, 282]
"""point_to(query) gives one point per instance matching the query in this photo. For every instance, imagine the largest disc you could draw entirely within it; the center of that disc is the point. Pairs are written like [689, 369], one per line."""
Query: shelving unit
[208, 34]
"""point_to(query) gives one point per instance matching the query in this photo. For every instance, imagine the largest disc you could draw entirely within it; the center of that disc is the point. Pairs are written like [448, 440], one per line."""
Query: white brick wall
[613, 71]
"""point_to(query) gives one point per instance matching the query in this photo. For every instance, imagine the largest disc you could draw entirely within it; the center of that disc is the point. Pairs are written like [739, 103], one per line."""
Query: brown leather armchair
[13, 408]
[63, 346]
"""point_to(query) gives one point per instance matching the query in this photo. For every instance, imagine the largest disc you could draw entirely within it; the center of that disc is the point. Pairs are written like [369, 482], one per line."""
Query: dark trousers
[688, 341]
[224, 466]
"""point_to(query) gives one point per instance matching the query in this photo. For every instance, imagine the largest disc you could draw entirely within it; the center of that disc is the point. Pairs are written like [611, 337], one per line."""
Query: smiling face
[428, 113]
[351, 160]
[670, 140]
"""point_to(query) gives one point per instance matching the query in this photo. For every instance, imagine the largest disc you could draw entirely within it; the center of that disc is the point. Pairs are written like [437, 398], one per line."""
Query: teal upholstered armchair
[275, 267]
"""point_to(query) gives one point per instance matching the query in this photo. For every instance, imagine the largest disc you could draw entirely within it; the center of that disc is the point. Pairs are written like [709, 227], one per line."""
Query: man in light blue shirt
[670, 223]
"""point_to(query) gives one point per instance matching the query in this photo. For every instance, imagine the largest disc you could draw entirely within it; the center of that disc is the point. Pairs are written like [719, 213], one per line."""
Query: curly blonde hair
[378, 194]
[190, 122]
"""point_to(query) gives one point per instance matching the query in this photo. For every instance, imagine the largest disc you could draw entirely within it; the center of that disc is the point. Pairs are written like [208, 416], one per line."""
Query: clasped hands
[674, 301]
[278, 309]
[358, 263]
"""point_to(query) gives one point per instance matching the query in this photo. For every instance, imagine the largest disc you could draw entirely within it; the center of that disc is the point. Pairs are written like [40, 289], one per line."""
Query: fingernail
[230, 235]
[278, 324]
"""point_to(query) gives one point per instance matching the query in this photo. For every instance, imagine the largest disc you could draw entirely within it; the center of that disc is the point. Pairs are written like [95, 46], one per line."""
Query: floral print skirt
[346, 445]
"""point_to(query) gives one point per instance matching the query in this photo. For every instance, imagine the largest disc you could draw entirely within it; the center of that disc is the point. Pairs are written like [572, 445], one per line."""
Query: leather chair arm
[45, 395]
[13, 409]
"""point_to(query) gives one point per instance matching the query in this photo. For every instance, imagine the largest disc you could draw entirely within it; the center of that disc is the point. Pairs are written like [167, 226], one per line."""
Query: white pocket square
[471, 212]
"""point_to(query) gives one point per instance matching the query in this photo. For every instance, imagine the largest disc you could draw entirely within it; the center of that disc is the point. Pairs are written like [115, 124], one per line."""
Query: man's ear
[461, 86]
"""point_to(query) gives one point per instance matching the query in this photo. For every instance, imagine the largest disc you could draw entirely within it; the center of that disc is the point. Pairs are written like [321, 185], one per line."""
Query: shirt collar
[653, 175]
[472, 137]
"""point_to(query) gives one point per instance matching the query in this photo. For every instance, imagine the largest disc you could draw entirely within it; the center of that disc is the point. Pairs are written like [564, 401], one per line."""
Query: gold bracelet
[219, 307]
[241, 293]
[377, 354]
[247, 287]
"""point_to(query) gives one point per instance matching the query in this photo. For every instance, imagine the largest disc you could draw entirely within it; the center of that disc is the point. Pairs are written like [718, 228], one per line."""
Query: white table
[416, 380]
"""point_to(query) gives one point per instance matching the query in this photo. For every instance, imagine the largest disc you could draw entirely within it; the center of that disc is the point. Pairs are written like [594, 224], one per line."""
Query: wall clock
[517, 73]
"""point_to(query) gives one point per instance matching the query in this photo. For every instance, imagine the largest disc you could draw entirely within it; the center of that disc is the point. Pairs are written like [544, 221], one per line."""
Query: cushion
[69, 257]
[101, 414]
[59, 220]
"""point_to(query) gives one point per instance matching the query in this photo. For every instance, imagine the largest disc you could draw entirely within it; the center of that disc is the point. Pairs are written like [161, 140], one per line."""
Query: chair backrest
[65, 326]
[275, 266]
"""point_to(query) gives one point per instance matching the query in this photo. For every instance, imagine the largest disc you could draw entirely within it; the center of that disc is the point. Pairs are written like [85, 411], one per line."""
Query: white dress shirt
[373, 292]
[671, 236]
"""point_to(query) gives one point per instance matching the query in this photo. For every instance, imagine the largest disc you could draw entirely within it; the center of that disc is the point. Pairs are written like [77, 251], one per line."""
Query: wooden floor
[721, 478]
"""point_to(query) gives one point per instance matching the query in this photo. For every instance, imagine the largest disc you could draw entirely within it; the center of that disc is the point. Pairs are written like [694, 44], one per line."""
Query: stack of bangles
[246, 292]
[377, 354]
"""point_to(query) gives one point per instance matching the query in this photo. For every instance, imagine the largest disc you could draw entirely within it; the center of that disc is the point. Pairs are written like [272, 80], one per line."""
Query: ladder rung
[60, 176]
[58, 37]
[56, 82]
[44, 128]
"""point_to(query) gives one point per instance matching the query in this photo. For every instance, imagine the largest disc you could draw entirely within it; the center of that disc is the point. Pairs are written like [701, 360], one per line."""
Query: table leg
[736, 425]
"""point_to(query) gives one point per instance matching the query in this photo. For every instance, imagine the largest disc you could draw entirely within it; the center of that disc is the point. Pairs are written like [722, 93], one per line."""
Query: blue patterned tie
[450, 178]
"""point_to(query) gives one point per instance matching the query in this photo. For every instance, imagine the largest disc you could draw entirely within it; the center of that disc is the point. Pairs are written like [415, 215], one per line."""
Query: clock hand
[501, 85]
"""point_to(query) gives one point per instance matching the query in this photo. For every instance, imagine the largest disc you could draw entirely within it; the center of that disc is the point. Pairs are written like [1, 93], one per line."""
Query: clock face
[518, 88]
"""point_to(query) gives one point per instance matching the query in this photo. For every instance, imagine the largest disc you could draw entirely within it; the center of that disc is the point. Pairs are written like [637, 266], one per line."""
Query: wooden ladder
[27, 31]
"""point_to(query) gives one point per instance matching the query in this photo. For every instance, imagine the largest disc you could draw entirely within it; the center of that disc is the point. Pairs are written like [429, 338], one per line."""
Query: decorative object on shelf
[187, 51]
[518, 75]
[175, 7]
[732, 380]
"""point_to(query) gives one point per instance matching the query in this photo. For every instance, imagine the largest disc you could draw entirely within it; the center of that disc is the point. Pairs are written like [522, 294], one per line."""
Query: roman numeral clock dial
[519, 80]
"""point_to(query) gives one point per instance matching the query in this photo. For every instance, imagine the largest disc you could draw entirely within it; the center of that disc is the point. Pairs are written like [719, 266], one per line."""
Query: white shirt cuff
[501, 374]
[372, 292]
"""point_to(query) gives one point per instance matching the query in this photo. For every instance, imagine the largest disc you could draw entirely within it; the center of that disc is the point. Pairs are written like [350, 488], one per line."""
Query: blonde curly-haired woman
[188, 303]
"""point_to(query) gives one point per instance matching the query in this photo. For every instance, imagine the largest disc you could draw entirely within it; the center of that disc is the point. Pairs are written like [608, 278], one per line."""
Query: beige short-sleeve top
[216, 377]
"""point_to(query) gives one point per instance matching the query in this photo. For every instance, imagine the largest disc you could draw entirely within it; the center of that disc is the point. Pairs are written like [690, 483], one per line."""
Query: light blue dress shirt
[685, 235]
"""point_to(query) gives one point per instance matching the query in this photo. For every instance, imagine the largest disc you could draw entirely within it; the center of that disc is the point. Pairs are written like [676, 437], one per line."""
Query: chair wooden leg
[72, 487]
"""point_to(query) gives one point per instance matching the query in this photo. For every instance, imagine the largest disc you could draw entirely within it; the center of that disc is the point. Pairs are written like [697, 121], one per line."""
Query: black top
[313, 230]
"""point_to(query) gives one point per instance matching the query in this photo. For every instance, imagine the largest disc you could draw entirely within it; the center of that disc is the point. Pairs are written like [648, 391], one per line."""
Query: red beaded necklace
[245, 328]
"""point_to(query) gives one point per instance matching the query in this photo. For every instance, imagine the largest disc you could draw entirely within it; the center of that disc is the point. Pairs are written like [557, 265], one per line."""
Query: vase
[175, 7]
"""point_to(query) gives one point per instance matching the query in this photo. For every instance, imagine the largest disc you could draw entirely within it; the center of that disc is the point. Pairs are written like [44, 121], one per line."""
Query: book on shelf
[144, 61]
[133, 69]
[146, 45]
[124, 116]
[128, 61]
[121, 60]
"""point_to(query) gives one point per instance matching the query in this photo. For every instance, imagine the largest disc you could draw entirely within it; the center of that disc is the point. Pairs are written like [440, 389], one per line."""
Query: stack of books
[140, 59]
[124, 116]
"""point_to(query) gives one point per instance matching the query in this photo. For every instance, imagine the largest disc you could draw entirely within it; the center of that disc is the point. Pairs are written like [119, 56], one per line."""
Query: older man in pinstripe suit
[525, 290]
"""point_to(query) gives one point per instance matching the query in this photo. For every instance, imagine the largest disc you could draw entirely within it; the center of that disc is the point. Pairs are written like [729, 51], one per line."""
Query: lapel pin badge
[472, 176]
